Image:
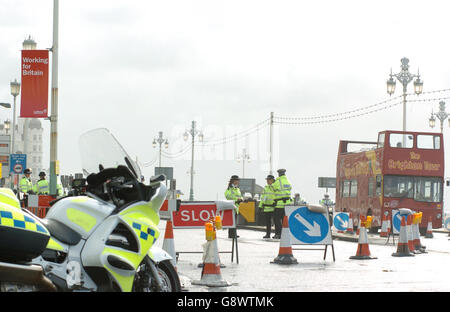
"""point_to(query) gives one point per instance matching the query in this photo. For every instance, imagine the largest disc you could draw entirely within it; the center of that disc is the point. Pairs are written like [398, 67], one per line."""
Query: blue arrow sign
[308, 227]
[396, 221]
[340, 221]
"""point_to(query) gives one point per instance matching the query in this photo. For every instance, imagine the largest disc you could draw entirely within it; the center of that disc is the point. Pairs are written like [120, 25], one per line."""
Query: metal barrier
[38, 204]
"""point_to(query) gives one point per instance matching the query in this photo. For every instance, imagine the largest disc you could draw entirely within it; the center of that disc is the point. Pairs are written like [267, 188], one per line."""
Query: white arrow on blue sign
[396, 221]
[340, 221]
[308, 227]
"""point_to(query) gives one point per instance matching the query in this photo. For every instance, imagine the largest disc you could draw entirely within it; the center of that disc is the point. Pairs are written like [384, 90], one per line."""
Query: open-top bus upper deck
[399, 170]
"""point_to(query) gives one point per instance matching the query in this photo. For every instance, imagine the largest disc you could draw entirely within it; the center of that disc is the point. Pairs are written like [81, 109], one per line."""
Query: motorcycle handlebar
[159, 178]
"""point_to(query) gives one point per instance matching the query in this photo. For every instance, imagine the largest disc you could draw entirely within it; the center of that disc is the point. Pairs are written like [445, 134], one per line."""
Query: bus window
[353, 188]
[396, 140]
[398, 186]
[371, 185]
[428, 141]
[346, 188]
[381, 140]
[428, 189]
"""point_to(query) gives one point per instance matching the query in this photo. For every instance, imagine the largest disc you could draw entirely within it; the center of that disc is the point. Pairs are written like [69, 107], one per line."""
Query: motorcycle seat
[62, 232]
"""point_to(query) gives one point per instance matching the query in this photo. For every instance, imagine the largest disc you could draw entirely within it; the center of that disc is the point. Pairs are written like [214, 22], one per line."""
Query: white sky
[139, 67]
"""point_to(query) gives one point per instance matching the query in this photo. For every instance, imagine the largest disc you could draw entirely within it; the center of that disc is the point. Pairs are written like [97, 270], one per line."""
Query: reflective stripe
[42, 187]
[17, 219]
[52, 244]
[283, 190]
[143, 232]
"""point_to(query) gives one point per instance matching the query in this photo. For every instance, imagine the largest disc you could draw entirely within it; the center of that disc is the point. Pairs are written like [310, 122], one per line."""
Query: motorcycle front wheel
[144, 280]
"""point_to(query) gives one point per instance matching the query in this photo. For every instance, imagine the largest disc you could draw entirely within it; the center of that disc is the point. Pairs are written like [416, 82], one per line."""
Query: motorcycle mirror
[100, 167]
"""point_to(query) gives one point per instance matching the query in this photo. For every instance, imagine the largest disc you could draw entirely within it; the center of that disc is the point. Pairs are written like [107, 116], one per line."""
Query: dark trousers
[268, 217]
[278, 220]
[232, 233]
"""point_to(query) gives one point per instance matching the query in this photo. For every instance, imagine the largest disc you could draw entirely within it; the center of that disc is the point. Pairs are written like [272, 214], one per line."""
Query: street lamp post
[441, 115]
[193, 132]
[7, 125]
[245, 158]
[160, 140]
[405, 77]
[15, 90]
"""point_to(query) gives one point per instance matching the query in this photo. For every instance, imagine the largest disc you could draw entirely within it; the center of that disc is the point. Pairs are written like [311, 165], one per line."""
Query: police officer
[25, 184]
[282, 188]
[234, 193]
[326, 201]
[59, 189]
[328, 204]
[268, 204]
[42, 186]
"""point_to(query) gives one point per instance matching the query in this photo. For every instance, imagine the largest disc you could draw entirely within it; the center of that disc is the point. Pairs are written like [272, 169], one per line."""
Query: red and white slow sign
[196, 214]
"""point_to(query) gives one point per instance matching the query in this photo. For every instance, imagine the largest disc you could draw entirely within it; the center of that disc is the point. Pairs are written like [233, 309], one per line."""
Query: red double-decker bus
[400, 170]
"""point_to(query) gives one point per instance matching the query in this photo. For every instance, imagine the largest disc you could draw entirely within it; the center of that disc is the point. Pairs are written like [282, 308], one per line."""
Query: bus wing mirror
[448, 182]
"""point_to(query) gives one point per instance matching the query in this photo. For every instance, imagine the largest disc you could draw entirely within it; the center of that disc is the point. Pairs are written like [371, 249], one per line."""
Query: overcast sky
[139, 67]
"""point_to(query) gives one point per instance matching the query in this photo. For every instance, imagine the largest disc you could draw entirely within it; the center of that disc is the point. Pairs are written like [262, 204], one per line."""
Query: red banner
[34, 94]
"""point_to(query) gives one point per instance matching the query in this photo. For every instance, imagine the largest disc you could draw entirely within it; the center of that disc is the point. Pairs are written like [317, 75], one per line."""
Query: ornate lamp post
[441, 115]
[193, 132]
[245, 158]
[160, 141]
[405, 77]
[15, 90]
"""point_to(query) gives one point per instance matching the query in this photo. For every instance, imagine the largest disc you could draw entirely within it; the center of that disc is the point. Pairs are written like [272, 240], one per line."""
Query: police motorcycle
[103, 240]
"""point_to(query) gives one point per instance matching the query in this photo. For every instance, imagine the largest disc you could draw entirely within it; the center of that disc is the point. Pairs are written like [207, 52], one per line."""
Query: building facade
[28, 140]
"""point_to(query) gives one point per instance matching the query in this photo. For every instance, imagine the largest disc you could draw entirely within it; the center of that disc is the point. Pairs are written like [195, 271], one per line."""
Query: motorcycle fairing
[138, 226]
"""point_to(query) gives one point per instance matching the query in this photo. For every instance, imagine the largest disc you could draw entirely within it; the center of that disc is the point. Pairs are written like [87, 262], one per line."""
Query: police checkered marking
[17, 220]
[143, 231]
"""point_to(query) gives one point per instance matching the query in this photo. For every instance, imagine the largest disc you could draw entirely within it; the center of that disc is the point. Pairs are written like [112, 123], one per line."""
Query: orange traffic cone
[402, 246]
[285, 255]
[211, 275]
[384, 227]
[350, 224]
[409, 234]
[168, 243]
[429, 233]
[363, 252]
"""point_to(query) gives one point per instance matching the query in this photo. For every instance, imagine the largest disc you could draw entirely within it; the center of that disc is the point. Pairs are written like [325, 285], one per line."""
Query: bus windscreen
[423, 189]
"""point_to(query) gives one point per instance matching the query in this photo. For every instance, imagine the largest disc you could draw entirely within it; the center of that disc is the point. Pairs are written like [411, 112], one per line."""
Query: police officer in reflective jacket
[268, 204]
[282, 188]
[25, 184]
[42, 187]
[234, 193]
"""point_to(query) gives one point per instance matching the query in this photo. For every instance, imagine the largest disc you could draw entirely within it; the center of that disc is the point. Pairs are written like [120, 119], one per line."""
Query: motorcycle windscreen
[100, 147]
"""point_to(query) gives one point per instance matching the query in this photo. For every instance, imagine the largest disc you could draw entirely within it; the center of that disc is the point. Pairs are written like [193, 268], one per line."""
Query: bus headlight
[438, 216]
